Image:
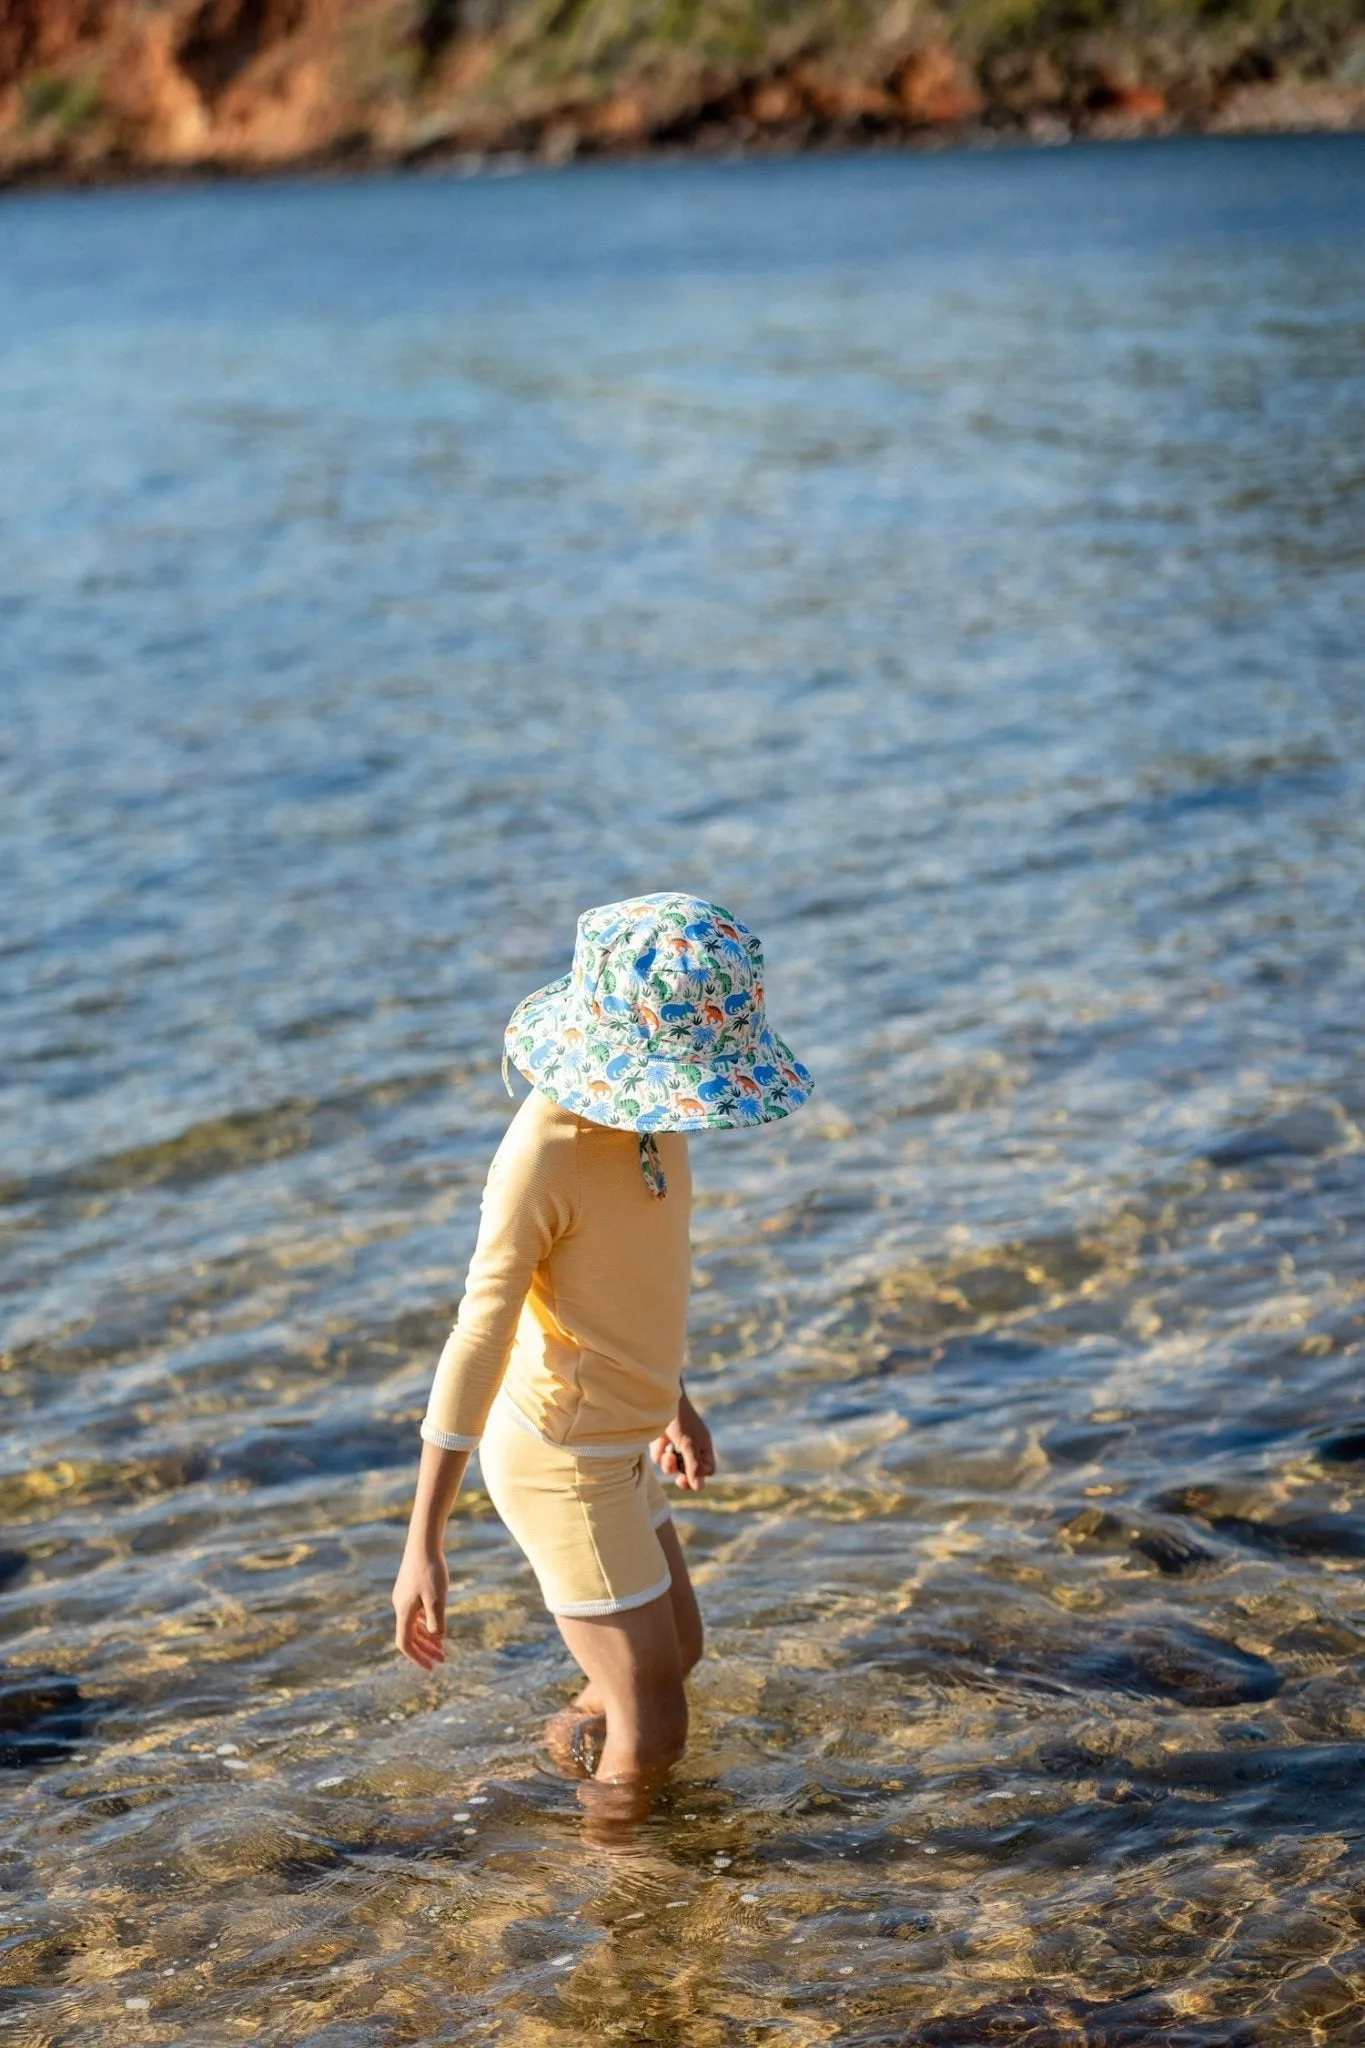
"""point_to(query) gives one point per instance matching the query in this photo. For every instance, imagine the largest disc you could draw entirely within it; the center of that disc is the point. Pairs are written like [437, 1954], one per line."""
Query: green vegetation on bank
[94, 88]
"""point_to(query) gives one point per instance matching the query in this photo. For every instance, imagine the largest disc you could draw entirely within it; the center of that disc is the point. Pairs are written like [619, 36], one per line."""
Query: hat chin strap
[651, 1166]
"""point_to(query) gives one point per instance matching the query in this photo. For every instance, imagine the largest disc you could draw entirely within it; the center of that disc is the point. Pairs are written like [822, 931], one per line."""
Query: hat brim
[562, 1050]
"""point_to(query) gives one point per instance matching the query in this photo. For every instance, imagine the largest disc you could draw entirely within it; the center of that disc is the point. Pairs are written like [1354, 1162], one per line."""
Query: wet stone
[1234, 1514]
[42, 1719]
[291, 1451]
[1168, 1548]
[1343, 1447]
[1313, 1129]
[1082, 1443]
[1181, 1663]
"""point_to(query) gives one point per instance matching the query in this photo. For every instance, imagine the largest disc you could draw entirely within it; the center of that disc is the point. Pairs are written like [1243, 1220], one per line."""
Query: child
[565, 1364]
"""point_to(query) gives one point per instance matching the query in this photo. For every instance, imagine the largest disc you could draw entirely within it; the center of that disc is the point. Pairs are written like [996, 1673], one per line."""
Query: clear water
[953, 565]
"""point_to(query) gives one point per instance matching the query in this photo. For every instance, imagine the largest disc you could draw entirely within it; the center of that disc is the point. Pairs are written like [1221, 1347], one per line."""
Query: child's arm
[685, 1450]
[527, 1203]
[419, 1594]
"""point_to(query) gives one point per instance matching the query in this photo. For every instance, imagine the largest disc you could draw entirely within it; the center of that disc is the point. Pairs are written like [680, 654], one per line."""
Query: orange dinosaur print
[661, 1023]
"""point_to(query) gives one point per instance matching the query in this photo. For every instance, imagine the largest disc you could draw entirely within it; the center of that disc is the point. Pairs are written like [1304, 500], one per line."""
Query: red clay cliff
[100, 89]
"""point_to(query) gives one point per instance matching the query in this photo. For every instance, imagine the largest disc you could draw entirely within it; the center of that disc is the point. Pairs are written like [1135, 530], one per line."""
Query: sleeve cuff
[447, 1440]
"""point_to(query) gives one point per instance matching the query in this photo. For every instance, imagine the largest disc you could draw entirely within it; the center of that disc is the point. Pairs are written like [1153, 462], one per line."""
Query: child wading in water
[565, 1364]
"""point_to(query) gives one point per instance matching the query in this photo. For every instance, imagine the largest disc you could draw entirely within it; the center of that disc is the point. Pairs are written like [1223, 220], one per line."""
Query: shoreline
[99, 93]
[521, 155]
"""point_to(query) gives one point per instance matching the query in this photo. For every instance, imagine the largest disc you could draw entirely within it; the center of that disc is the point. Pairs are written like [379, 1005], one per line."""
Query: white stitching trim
[574, 1450]
[447, 1441]
[585, 1609]
[665, 1514]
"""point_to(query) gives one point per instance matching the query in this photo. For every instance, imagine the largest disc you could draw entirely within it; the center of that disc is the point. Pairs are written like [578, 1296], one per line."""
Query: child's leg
[582, 1726]
[611, 1569]
[633, 1665]
[686, 1613]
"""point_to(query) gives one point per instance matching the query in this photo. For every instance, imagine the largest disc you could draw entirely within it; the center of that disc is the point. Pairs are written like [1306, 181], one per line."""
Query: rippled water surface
[953, 565]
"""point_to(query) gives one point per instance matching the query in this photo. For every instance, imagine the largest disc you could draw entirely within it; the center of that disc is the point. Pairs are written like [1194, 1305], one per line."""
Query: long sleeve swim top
[576, 1294]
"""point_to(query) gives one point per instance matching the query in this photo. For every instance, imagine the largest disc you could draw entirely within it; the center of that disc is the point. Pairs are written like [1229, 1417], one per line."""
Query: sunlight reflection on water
[948, 563]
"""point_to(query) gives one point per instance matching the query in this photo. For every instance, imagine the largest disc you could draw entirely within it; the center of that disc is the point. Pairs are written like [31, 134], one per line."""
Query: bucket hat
[658, 1026]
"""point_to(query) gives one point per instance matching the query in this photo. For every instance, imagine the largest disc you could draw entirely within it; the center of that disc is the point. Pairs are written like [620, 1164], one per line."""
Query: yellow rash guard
[577, 1290]
[566, 1358]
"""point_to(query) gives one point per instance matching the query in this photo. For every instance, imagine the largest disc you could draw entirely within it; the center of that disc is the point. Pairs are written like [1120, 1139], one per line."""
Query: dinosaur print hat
[659, 1026]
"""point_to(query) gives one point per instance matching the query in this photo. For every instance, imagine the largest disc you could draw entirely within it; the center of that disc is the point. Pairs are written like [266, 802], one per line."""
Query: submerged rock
[42, 1717]
[1174, 1661]
[1168, 1548]
[1240, 1515]
[1343, 1447]
[1315, 1128]
[1182, 1663]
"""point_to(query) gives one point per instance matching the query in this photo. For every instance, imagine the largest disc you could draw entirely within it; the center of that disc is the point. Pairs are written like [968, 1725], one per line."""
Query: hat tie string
[652, 1166]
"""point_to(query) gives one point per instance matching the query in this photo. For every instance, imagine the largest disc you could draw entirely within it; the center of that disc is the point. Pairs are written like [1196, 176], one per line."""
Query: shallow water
[952, 565]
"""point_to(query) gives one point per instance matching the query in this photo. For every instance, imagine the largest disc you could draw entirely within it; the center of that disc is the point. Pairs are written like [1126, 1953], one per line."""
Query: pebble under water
[951, 564]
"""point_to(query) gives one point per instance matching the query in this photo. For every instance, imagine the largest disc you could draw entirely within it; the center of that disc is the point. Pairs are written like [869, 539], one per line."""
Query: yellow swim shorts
[585, 1521]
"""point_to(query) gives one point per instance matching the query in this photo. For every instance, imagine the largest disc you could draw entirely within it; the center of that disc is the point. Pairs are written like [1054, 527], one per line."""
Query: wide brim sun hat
[659, 1024]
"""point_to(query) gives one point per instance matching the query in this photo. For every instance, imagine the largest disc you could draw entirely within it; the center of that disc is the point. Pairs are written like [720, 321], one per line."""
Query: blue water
[953, 565]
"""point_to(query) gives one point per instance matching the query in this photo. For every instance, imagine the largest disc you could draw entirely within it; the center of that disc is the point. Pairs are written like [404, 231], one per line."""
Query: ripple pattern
[953, 563]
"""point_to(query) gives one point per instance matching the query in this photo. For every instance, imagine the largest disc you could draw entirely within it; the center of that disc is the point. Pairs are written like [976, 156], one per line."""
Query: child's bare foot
[614, 1808]
[574, 1736]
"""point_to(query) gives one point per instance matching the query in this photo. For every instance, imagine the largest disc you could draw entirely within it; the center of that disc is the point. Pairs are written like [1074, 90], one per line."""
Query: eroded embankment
[99, 89]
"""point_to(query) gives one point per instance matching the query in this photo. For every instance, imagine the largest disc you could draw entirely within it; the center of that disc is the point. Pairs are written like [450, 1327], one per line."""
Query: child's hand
[685, 1451]
[419, 1602]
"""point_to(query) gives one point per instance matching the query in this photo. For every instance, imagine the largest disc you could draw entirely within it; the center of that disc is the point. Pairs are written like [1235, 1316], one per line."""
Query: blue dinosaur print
[660, 1025]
